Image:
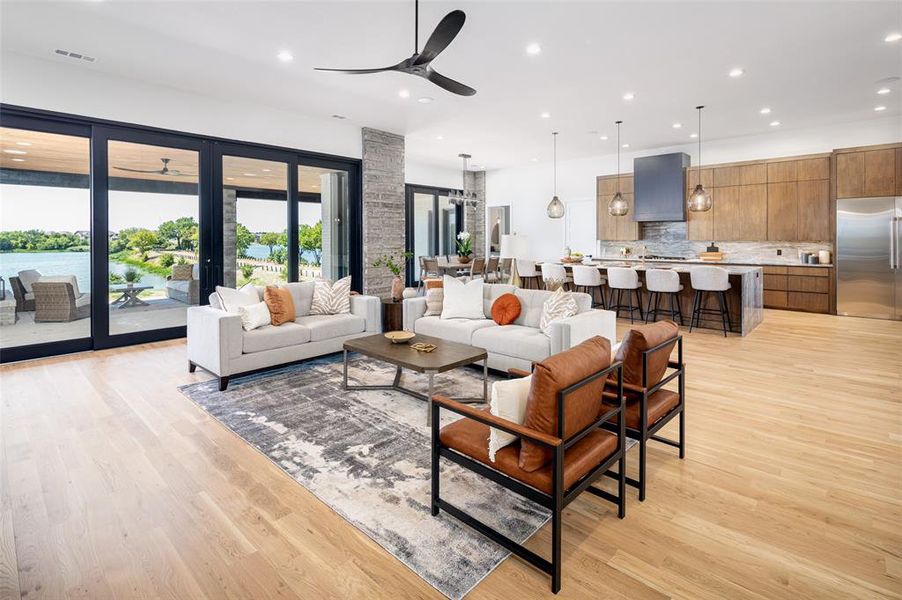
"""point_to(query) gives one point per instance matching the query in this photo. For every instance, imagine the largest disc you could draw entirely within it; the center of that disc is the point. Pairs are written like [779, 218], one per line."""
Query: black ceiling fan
[419, 62]
[164, 171]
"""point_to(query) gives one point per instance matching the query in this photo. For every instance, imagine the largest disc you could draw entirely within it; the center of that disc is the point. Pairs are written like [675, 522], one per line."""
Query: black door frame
[409, 190]
[100, 284]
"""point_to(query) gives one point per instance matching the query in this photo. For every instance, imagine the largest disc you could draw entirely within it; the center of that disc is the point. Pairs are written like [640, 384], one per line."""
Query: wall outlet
[779, 252]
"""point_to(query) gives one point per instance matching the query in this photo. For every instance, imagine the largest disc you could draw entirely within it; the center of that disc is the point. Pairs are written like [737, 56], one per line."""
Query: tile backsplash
[670, 239]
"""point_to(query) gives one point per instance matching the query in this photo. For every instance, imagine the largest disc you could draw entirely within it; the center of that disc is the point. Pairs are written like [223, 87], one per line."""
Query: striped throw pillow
[560, 305]
[331, 298]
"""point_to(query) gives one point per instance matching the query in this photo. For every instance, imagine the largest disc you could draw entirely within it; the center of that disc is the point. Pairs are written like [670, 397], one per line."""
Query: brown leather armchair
[563, 447]
[645, 353]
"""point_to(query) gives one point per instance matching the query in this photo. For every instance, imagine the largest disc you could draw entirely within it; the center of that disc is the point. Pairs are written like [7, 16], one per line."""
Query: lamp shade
[555, 208]
[514, 246]
[507, 246]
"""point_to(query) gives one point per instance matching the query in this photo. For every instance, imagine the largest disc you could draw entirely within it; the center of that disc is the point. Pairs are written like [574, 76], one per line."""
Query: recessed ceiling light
[677, 125]
[533, 49]
[439, 137]
[764, 111]
[775, 123]
[736, 72]
[533, 159]
[603, 138]
[15, 152]
[285, 56]
[893, 37]
[626, 145]
[424, 100]
[404, 93]
[883, 91]
[545, 115]
[29, 143]
[17, 159]
[879, 108]
[629, 96]
[592, 132]
[339, 117]
[693, 135]
[250, 174]
[266, 170]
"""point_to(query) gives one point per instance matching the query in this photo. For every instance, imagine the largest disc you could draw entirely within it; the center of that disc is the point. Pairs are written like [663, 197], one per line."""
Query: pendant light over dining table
[700, 200]
[618, 206]
[555, 207]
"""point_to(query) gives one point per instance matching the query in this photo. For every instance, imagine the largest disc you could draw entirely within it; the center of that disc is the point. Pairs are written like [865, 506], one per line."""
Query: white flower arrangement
[464, 243]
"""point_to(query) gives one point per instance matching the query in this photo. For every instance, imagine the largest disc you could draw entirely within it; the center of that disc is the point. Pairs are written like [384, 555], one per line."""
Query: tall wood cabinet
[869, 172]
[615, 228]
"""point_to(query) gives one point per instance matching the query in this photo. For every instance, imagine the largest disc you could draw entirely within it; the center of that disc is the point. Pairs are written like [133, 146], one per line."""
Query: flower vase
[463, 259]
[397, 289]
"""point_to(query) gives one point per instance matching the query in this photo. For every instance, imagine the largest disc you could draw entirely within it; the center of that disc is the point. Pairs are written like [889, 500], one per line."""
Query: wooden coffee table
[129, 295]
[446, 356]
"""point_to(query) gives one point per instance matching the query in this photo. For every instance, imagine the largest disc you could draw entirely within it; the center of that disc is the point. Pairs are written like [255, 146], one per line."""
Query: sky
[67, 209]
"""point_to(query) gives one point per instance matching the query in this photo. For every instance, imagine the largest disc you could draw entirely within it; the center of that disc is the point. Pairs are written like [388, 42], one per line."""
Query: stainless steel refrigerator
[869, 257]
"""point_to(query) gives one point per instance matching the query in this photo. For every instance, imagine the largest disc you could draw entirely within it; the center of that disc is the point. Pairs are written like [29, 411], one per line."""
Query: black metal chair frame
[591, 289]
[560, 497]
[652, 311]
[649, 432]
[699, 309]
[619, 305]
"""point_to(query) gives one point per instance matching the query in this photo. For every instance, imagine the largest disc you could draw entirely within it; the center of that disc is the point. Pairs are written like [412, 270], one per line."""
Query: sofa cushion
[331, 298]
[462, 300]
[232, 299]
[270, 337]
[453, 330]
[280, 304]
[179, 285]
[469, 438]
[28, 277]
[70, 279]
[254, 316]
[531, 303]
[326, 327]
[182, 272]
[491, 292]
[505, 309]
[582, 405]
[560, 305]
[301, 295]
[513, 340]
[83, 300]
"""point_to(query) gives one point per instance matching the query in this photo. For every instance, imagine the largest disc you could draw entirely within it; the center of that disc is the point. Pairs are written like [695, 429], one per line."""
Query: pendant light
[555, 207]
[618, 206]
[700, 200]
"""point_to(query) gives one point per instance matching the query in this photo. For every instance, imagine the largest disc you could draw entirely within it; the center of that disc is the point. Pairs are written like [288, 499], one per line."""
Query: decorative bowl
[570, 260]
[400, 337]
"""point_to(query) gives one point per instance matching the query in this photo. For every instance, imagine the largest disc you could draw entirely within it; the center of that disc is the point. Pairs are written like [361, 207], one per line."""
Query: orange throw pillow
[281, 306]
[506, 309]
[582, 406]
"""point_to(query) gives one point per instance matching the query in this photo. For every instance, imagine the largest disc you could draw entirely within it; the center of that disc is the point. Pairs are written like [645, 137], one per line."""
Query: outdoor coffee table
[129, 295]
[446, 356]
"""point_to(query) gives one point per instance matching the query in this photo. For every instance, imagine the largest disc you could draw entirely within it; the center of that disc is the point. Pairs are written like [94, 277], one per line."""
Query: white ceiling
[813, 63]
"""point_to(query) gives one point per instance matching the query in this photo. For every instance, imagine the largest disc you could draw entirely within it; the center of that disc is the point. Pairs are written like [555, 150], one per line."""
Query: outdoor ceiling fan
[419, 62]
[164, 171]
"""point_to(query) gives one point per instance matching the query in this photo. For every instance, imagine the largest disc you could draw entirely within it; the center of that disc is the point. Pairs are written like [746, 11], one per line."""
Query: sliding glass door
[433, 223]
[325, 218]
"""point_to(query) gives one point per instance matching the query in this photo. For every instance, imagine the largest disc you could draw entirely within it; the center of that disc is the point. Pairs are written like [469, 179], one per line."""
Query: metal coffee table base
[430, 374]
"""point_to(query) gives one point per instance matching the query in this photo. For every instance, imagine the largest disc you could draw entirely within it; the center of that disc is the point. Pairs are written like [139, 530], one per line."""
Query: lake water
[64, 263]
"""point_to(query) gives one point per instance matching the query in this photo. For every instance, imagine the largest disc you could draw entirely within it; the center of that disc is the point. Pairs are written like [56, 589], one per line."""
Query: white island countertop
[698, 261]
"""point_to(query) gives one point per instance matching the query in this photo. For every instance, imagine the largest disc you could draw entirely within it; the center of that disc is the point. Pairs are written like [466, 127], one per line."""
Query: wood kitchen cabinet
[880, 172]
[899, 171]
[727, 212]
[814, 211]
[862, 173]
[798, 288]
[782, 211]
[615, 228]
[850, 175]
[782, 171]
[753, 211]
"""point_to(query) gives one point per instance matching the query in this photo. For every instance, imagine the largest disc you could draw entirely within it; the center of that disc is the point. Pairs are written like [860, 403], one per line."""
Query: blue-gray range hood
[659, 186]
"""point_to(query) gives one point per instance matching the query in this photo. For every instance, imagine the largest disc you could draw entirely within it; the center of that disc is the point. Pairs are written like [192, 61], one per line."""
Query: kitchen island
[745, 299]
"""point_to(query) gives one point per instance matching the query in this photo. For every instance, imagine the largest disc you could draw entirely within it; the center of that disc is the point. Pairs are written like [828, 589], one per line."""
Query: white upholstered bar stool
[588, 279]
[529, 276]
[666, 282]
[706, 280]
[625, 279]
[554, 274]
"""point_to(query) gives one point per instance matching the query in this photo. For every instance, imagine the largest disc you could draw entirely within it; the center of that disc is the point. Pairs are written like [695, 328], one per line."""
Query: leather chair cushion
[639, 339]
[581, 407]
[659, 405]
[470, 438]
[506, 309]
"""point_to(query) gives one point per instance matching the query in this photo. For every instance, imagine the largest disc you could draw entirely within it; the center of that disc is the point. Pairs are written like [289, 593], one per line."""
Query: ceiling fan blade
[444, 34]
[449, 84]
[358, 71]
[157, 171]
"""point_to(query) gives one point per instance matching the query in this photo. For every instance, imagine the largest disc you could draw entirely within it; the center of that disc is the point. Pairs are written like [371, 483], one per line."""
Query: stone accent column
[474, 217]
[383, 206]
[229, 235]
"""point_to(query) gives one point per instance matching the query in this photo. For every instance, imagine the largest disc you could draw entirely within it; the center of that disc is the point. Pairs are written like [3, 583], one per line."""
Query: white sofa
[218, 344]
[522, 343]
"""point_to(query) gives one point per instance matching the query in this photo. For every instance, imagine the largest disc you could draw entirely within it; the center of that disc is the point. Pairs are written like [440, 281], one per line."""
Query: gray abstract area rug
[366, 455]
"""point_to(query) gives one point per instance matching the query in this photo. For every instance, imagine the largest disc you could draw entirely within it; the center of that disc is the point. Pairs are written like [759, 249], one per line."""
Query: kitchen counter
[698, 261]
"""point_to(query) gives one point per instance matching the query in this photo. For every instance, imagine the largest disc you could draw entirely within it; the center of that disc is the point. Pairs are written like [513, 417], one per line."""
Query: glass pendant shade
[700, 200]
[555, 208]
[618, 206]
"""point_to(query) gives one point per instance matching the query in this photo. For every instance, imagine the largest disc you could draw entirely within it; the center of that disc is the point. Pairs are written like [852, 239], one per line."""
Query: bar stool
[554, 273]
[663, 281]
[620, 279]
[588, 279]
[526, 269]
[710, 279]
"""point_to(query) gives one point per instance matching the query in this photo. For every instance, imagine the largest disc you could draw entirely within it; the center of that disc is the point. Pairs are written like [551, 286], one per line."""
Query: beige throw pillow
[508, 402]
[331, 298]
[434, 299]
[560, 305]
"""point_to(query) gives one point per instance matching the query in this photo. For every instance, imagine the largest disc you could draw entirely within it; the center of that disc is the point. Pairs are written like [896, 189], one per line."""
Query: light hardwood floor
[113, 485]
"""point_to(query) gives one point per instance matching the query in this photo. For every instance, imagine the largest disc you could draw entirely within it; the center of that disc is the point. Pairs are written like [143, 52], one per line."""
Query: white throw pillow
[434, 300]
[462, 300]
[28, 277]
[508, 402]
[331, 298]
[233, 299]
[254, 315]
[560, 305]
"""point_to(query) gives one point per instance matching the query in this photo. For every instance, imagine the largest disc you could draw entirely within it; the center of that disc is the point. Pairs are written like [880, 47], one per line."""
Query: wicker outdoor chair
[55, 301]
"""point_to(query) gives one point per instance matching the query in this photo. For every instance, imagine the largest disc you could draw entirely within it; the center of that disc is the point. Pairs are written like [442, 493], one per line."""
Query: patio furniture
[24, 300]
[477, 269]
[184, 284]
[129, 295]
[58, 300]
